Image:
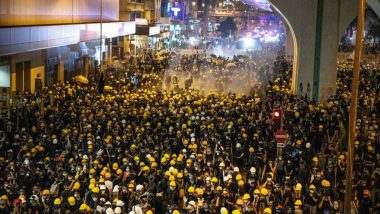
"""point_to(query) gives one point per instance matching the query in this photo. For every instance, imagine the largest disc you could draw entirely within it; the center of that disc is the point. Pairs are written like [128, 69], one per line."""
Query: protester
[143, 147]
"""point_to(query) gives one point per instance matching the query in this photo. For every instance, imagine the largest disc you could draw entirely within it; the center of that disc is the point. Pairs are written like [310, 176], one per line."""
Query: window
[135, 14]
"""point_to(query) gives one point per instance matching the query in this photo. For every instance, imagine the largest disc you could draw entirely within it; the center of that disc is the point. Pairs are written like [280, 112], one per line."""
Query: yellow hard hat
[92, 171]
[176, 212]
[264, 191]
[175, 172]
[119, 171]
[163, 160]
[172, 184]
[83, 207]
[95, 190]
[239, 202]
[107, 175]
[236, 212]
[238, 177]
[246, 196]
[251, 149]
[115, 166]
[219, 188]
[4, 197]
[76, 186]
[180, 175]
[200, 191]
[214, 180]
[149, 212]
[191, 189]
[298, 203]
[267, 211]
[172, 162]
[256, 191]
[46, 192]
[91, 186]
[57, 201]
[315, 159]
[241, 183]
[71, 200]
[312, 186]
[325, 183]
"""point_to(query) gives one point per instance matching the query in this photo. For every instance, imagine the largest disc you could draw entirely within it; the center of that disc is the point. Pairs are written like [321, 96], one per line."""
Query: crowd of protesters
[134, 146]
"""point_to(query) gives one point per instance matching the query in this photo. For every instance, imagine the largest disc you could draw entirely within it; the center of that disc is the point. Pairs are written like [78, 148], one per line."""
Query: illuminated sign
[176, 10]
[140, 21]
[154, 30]
[5, 76]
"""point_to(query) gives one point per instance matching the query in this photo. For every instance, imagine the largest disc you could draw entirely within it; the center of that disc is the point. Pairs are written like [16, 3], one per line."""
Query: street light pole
[353, 106]
[101, 36]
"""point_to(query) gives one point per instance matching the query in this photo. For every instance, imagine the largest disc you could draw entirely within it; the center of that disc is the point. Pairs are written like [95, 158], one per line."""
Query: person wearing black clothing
[101, 84]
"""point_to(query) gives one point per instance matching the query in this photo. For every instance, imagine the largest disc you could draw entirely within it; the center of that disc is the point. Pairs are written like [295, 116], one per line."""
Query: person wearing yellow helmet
[267, 211]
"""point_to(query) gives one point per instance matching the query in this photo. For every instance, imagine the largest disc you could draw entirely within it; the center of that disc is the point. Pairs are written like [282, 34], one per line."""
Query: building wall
[149, 9]
[36, 59]
[39, 12]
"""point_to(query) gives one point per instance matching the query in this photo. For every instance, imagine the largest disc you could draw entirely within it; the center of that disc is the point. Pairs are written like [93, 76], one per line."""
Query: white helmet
[109, 211]
[236, 169]
[117, 210]
[252, 170]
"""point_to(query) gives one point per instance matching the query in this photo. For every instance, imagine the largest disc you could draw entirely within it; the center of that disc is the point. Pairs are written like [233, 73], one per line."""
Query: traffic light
[277, 114]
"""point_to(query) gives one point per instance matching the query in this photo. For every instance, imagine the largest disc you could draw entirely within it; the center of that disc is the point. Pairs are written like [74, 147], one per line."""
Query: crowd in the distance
[137, 148]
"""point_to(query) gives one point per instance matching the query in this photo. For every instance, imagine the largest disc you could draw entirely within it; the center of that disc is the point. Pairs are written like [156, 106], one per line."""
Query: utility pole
[353, 106]
[205, 10]
[101, 37]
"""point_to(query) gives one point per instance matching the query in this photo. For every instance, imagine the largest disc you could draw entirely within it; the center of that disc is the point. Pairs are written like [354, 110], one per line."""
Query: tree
[227, 27]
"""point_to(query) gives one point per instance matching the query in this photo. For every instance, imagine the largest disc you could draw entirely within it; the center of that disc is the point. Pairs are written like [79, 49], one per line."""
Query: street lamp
[193, 3]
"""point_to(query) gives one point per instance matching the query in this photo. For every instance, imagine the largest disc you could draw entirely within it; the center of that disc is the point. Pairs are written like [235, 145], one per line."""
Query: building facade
[48, 41]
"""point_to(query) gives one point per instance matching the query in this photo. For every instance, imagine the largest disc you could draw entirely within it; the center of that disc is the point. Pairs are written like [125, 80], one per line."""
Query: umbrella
[81, 79]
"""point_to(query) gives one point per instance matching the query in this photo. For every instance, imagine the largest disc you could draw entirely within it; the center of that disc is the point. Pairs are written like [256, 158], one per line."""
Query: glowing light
[176, 10]
[277, 114]
[248, 42]
[269, 38]
[193, 41]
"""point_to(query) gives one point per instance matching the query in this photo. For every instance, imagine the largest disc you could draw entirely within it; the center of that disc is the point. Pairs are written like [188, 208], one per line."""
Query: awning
[147, 30]
[22, 39]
